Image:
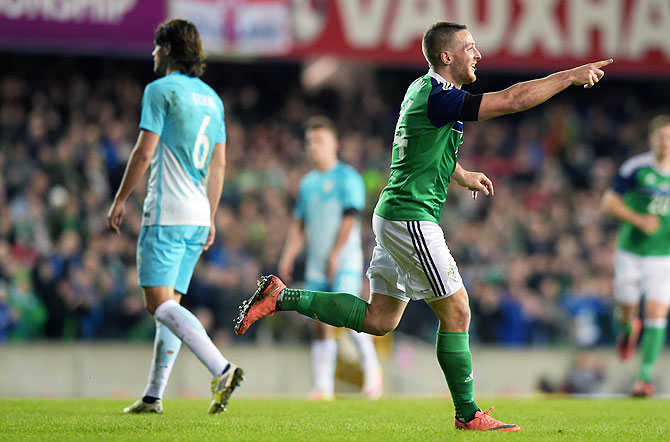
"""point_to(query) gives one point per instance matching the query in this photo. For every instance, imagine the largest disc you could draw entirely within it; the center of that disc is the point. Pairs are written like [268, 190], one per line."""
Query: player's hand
[115, 216]
[210, 237]
[589, 74]
[285, 270]
[648, 223]
[333, 266]
[476, 182]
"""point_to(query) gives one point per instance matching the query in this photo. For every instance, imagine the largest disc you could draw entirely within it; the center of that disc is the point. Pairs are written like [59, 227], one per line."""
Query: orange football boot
[642, 389]
[262, 303]
[483, 421]
[626, 343]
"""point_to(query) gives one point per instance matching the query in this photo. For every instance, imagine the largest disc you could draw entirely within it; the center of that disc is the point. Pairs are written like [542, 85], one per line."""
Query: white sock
[166, 349]
[324, 358]
[369, 360]
[191, 332]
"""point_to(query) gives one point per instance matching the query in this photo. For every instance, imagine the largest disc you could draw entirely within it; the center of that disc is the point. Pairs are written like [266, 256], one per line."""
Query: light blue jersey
[188, 116]
[322, 199]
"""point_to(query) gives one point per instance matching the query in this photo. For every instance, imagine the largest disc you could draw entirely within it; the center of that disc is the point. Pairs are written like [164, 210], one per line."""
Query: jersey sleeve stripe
[631, 165]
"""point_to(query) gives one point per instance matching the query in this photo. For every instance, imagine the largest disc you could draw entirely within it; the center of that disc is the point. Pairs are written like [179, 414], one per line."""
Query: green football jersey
[644, 189]
[425, 150]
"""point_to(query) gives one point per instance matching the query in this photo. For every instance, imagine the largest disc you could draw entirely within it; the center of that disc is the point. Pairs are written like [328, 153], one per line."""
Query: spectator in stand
[64, 137]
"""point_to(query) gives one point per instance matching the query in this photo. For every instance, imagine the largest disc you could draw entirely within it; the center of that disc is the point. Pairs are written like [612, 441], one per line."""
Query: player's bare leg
[453, 354]
[651, 346]
[383, 314]
[629, 329]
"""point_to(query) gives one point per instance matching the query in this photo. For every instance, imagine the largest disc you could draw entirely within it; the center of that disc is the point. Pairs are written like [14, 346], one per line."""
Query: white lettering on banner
[96, 11]
[537, 27]
[488, 35]
[363, 21]
[649, 28]
[308, 22]
[411, 19]
[584, 16]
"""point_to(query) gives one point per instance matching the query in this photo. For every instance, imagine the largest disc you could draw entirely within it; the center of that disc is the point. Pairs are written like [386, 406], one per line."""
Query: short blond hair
[321, 122]
[658, 122]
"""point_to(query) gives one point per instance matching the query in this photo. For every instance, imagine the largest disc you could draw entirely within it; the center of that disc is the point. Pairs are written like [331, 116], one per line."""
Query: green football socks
[651, 347]
[625, 327]
[453, 354]
[337, 309]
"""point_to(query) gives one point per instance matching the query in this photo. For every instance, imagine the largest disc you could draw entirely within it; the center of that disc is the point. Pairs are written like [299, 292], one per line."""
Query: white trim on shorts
[411, 261]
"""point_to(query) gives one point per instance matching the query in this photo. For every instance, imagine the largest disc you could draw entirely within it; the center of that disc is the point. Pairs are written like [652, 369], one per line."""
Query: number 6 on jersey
[200, 158]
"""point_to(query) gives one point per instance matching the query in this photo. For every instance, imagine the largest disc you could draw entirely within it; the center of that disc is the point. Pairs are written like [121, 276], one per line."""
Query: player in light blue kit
[182, 137]
[327, 223]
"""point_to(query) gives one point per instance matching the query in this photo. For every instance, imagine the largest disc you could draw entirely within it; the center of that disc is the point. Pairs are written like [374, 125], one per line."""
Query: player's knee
[458, 317]
[150, 308]
[461, 317]
[380, 326]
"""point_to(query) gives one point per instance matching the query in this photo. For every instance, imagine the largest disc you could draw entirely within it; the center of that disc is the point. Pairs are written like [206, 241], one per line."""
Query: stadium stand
[536, 258]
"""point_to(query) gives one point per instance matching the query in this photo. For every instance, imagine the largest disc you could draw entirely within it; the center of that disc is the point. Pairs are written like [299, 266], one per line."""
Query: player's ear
[167, 49]
[445, 57]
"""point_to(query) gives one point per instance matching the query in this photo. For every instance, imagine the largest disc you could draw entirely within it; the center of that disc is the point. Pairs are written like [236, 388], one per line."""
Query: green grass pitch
[347, 419]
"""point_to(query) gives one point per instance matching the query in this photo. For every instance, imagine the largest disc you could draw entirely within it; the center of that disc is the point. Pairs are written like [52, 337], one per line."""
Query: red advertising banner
[511, 34]
[515, 35]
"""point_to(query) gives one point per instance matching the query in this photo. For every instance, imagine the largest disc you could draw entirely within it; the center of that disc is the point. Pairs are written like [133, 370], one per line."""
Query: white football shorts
[636, 276]
[411, 261]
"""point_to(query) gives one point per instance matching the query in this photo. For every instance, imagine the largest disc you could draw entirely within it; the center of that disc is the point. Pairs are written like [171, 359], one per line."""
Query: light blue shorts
[167, 255]
[346, 281]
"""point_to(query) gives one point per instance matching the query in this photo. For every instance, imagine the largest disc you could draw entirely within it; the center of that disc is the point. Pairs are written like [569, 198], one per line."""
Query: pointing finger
[602, 63]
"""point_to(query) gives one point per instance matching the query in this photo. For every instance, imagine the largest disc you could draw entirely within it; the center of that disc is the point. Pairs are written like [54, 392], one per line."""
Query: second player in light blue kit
[182, 139]
[328, 225]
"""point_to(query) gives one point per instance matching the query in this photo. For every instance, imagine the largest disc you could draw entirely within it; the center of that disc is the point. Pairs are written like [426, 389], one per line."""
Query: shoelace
[485, 415]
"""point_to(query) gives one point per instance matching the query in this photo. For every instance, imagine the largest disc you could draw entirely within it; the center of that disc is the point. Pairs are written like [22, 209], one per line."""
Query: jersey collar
[437, 77]
[446, 85]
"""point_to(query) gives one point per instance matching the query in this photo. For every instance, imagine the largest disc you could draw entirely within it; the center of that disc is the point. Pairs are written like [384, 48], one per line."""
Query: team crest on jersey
[328, 186]
[650, 179]
[452, 271]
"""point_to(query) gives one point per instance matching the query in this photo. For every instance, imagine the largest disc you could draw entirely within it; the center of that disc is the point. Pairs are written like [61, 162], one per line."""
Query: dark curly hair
[185, 47]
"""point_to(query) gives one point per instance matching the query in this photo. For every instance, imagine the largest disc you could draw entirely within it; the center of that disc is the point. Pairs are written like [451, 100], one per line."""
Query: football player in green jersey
[640, 199]
[411, 260]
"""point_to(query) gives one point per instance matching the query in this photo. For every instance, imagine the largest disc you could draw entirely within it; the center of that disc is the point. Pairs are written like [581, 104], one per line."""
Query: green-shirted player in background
[411, 259]
[640, 199]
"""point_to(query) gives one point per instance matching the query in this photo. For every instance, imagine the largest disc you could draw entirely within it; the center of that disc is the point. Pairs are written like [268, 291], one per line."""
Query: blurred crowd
[536, 258]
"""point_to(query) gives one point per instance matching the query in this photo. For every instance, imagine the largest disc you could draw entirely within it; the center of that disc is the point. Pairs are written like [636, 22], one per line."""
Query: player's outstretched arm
[527, 94]
[613, 205]
[217, 173]
[474, 181]
[138, 163]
